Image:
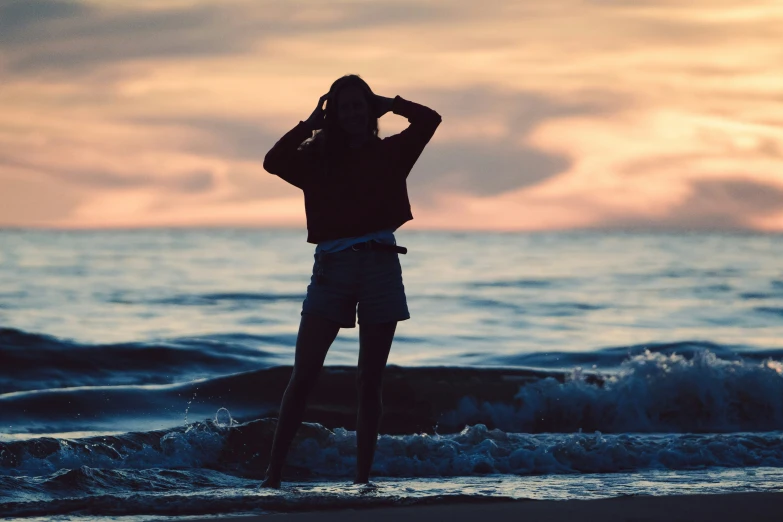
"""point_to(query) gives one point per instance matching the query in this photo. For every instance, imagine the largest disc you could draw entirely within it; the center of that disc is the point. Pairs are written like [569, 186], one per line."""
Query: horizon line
[628, 230]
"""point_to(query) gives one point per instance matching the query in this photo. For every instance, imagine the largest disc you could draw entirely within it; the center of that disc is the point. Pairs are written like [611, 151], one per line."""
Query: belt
[374, 245]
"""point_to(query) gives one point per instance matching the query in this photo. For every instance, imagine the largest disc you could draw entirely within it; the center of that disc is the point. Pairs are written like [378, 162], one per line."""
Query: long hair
[329, 143]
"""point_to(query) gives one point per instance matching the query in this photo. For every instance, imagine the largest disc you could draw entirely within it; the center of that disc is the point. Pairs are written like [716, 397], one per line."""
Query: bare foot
[271, 482]
[366, 487]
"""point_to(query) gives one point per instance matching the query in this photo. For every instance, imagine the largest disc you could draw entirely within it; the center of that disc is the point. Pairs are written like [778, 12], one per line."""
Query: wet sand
[685, 508]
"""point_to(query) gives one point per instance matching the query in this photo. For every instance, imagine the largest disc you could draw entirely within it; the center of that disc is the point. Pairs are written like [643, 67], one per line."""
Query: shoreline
[728, 507]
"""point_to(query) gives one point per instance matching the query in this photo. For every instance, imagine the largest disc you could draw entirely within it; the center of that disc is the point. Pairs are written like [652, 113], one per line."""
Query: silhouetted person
[355, 193]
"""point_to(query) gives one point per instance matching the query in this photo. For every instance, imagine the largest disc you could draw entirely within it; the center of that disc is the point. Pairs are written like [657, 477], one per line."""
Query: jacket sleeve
[285, 160]
[406, 147]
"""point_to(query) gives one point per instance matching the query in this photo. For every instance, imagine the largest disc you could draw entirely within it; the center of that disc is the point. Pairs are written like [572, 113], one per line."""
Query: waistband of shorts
[370, 245]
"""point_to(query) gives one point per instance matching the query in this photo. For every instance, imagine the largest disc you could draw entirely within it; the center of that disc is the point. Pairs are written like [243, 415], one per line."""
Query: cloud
[730, 204]
[235, 138]
[16, 16]
[68, 36]
[482, 169]
[199, 181]
[565, 114]
[504, 161]
[27, 200]
[194, 182]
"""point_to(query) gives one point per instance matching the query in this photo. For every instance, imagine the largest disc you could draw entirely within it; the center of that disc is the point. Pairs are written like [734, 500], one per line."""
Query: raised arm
[406, 147]
[284, 160]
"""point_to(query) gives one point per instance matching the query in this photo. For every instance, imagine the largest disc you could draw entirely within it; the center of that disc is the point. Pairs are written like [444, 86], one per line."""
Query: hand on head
[316, 119]
[381, 105]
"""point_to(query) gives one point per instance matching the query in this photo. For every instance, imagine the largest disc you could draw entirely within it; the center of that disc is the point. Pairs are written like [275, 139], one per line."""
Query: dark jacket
[367, 191]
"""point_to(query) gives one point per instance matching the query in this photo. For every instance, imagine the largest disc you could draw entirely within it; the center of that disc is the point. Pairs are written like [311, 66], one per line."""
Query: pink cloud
[597, 114]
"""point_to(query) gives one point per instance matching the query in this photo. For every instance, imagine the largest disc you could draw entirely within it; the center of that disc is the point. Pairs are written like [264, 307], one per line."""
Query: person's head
[351, 107]
[350, 110]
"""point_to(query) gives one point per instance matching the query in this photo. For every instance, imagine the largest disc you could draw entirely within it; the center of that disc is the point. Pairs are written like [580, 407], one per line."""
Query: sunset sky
[556, 115]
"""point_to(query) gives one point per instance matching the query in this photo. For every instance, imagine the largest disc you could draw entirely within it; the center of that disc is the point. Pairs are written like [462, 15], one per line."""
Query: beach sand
[736, 507]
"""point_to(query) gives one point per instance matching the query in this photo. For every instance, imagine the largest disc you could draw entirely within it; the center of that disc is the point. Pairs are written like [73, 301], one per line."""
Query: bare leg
[315, 336]
[375, 342]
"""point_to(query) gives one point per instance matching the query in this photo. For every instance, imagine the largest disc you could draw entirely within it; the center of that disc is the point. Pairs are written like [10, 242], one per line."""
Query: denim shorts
[370, 278]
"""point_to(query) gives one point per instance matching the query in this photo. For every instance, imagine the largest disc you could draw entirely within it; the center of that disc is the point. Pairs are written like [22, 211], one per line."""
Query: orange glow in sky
[556, 115]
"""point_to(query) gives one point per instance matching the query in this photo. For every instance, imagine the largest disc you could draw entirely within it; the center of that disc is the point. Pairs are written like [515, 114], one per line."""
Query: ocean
[141, 371]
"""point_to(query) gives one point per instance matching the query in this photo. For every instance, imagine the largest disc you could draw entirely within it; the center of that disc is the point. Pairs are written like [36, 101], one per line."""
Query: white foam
[478, 450]
[651, 392]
